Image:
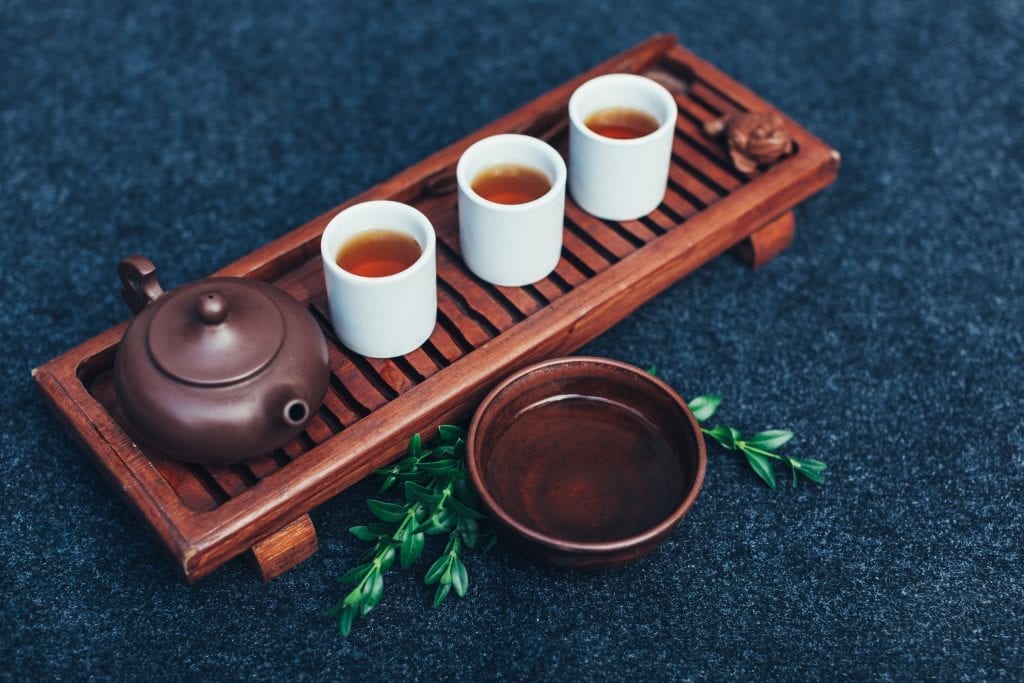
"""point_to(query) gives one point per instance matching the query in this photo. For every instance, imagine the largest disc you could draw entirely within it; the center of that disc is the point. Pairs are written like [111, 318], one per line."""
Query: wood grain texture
[284, 549]
[204, 516]
[767, 243]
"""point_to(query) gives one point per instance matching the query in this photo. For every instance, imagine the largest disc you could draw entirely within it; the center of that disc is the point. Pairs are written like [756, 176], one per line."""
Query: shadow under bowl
[585, 462]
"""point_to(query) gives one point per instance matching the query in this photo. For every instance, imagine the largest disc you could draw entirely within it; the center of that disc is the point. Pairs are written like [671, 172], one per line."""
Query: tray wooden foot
[767, 242]
[282, 550]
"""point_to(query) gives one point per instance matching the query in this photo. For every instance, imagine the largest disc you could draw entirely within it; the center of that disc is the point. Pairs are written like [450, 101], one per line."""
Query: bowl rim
[567, 545]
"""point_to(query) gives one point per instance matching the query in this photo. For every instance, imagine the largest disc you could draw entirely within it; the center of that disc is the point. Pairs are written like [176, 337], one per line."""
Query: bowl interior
[585, 451]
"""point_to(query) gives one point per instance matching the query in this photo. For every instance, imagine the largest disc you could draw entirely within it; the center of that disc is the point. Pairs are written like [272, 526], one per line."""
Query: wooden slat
[231, 482]
[599, 232]
[479, 299]
[681, 205]
[318, 430]
[569, 273]
[704, 194]
[452, 306]
[190, 489]
[444, 344]
[514, 296]
[422, 362]
[712, 99]
[389, 373]
[547, 289]
[345, 413]
[583, 251]
[684, 151]
[642, 232]
[261, 468]
[294, 448]
[692, 133]
[358, 385]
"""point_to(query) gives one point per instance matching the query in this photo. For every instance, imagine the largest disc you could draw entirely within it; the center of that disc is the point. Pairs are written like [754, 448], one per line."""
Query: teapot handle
[139, 286]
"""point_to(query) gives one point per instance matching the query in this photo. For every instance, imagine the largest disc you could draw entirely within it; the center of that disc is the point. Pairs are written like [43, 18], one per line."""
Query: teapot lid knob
[212, 308]
[215, 332]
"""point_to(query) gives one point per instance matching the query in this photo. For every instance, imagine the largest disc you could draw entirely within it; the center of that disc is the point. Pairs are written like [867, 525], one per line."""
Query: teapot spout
[296, 412]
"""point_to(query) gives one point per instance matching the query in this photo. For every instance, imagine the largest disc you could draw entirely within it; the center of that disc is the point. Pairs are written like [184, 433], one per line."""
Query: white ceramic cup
[618, 179]
[381, 317]
[511, 244]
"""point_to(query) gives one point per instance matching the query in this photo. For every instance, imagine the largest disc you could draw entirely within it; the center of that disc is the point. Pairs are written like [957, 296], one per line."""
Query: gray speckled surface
[889, 337]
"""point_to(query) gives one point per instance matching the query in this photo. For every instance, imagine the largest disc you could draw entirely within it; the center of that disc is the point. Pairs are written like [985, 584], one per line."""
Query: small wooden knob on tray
[754, 139]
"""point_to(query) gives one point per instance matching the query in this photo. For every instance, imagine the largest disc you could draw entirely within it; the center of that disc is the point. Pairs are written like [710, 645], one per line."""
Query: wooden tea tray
[204, 516]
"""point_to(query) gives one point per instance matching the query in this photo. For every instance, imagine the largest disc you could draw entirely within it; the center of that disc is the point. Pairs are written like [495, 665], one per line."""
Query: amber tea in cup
[621, 131]
[380, 271]
[511, 184]
[621, 123]
[511, 205]
[378, 253]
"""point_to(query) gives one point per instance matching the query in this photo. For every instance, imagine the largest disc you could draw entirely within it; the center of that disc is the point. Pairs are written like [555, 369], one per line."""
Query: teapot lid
[214, 332]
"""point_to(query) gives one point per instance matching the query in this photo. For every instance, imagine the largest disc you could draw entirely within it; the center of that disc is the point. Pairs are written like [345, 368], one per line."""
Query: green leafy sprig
[437, 500]
[758, 449]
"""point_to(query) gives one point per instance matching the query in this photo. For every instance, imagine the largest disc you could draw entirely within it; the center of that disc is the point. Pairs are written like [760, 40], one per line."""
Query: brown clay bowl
[585, 463]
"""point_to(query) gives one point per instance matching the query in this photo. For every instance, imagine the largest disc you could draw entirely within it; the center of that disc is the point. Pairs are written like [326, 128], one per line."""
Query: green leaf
[412, 546]
[455, 474]
[465, 510]
[380, 528]
[704, 407]
[419, 493]
[442, 518]
[373, 593]
[653, 371]
[415, 445]
[441, 594]
[353, 598]
[813, 476]
[348, 615]
[363, 533]
[436, 570]
[762, 466]
[460, 578]
[725, 436]
[386, 512]
[387, 559]
[771, 439]
[389, 481]
[811, 465]
[438, 466]
[355, 574]
[450, 433]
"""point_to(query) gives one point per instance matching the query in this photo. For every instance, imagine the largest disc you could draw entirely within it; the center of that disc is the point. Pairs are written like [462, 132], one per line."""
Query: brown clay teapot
[217, 371]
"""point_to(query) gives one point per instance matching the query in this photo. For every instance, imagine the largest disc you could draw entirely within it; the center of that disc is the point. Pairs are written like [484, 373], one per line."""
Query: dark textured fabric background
[888, 337]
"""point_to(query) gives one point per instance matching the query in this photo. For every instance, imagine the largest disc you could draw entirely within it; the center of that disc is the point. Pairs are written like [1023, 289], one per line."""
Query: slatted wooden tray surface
[204, 516]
